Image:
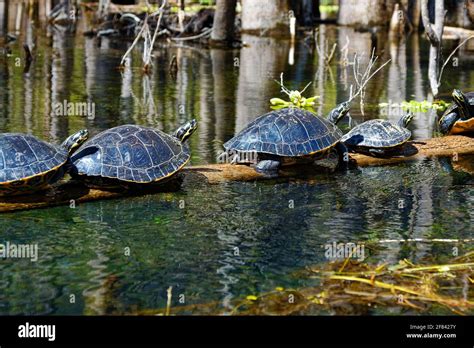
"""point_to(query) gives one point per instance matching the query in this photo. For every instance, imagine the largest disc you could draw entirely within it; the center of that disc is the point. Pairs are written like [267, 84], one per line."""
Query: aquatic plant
[353, 287]
[296, 98]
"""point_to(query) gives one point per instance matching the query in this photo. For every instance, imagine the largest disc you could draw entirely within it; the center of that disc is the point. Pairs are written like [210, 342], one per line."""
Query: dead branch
[362, 79]
[323, 48]
[450, 56]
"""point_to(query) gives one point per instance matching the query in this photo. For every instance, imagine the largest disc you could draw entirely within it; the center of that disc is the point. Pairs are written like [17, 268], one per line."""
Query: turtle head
[406, 119]
[459, 96]
[461, 101]
[186, 130]
[339, 112]
[73, 142]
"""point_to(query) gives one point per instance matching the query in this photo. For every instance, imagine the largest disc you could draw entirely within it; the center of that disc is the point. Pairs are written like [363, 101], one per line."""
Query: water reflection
[225, 89]
[235, 240]
[194, 249]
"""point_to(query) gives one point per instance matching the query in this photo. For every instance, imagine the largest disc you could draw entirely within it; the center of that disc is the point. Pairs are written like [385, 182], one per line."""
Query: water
[233, 239]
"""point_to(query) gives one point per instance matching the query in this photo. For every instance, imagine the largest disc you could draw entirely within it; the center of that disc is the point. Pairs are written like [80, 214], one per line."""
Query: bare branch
[450, 56]
[331, 55]
[137, 38]
[323, 48]
[430, 32]
[187, 38]
[367, 77]
[304, 89]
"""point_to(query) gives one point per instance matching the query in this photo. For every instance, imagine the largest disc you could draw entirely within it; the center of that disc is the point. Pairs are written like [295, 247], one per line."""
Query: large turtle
[459, 117]
[130, 154]
[28, 164]
[286, 136]
[378, 137]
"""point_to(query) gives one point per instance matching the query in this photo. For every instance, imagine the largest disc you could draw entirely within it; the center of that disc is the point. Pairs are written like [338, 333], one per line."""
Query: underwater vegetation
[351, 287]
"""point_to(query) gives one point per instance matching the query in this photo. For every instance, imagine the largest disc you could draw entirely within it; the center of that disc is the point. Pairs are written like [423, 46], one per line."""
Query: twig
[331, 55]
[147, 58]
[450, 56]
[430, 32]
[204, 33]
[345, 52]
[137, 38]
[367, 80]
[323, 49]
[145, 33]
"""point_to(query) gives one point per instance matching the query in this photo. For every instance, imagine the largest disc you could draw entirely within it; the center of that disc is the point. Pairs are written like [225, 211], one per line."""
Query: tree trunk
[259, 64]
[414, 11]
[458, 13]
[224, 19]
[306, 11]
[365, 13]
[265, 17]
[3, 15]
[435, 35]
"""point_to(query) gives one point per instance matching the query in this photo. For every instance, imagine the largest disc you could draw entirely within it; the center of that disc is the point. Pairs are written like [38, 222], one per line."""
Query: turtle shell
[463, 126]
[131, 153]
[28, 163]
[459, 125]
[376, 134]
[470, 100]
[288, 132]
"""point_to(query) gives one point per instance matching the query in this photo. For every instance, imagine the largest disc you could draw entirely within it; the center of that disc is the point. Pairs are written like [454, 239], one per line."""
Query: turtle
[286, 136]
[132, 156]
[378, 137]
[459, 117]
[28, 164]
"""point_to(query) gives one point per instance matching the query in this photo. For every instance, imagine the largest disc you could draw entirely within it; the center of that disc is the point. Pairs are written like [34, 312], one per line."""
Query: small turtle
[129, 154]
[287, 136]
[459, 117]
[378, 137]
[28, 164]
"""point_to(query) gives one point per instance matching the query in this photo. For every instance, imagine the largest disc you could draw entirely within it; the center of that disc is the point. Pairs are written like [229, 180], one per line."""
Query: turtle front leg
[447, 122]
[268, 166]
[377, 152]
[343, 155]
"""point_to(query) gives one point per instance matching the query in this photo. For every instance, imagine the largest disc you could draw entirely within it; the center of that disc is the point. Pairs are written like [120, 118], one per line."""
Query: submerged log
[73, 193]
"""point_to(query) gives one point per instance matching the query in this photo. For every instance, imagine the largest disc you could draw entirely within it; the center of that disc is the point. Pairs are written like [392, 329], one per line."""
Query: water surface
[218, 242]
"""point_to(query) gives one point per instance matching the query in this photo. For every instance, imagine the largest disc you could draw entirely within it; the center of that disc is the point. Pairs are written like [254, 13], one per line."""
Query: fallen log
[73, 193]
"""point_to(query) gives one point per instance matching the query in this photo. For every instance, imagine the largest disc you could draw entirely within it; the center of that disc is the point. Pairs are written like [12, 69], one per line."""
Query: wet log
[74, 193]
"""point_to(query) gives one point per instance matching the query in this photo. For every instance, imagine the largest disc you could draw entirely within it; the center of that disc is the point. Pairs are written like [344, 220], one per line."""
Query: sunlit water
[218, 242]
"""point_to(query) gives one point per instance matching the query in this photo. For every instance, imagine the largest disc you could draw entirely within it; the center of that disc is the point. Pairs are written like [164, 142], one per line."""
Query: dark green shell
[376, 134]
[289, 132]
[451, 123]
[131, 153]
[28, 164]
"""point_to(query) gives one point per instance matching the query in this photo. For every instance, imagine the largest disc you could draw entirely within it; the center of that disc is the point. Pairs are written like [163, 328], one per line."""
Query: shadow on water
[217, 242]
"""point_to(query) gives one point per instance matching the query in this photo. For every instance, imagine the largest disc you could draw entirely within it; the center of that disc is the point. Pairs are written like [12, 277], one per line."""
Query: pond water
[218, 243]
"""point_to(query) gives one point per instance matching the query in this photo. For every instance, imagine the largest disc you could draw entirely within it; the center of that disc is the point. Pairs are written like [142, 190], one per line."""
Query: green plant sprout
[296, 98]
